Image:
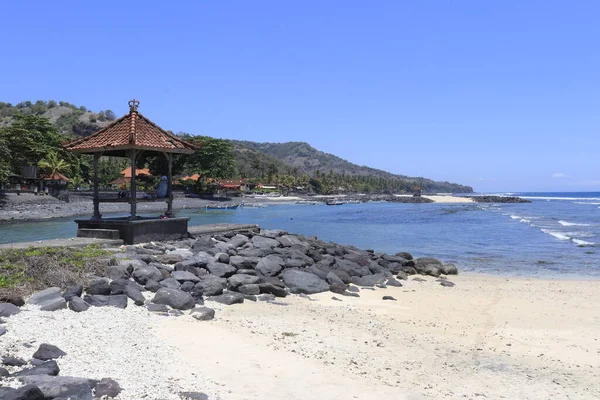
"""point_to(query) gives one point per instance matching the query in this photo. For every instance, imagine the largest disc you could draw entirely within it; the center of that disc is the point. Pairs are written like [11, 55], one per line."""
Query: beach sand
[487, 337]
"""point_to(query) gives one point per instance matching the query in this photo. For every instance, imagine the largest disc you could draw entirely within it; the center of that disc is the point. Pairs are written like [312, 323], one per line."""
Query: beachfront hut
[130, 136]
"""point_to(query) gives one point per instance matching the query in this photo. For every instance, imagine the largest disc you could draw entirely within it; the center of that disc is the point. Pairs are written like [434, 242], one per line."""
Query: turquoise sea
[557, 235]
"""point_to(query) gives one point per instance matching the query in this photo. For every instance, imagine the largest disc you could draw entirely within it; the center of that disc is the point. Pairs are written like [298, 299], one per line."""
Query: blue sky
[500, 95]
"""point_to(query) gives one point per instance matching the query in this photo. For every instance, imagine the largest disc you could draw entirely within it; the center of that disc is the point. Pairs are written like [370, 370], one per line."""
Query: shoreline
[30, 208]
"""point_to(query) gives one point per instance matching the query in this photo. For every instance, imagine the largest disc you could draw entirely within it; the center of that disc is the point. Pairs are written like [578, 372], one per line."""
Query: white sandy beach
[487, 337]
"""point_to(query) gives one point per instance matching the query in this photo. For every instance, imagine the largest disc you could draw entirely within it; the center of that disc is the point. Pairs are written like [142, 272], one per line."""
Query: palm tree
[53, 164]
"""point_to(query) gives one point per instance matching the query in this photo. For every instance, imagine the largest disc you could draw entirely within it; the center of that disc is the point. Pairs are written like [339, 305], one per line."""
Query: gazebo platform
[130, 136]
[140, 230]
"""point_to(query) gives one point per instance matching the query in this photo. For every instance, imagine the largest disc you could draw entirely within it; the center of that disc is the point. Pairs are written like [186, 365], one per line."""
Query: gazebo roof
[57, 176]
[132, 131]
[138, 172]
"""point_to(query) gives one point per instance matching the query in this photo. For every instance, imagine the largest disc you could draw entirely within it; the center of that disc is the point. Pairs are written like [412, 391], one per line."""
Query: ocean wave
[586, 202]
[580, 234]
[567, 223]
[515, 217]
[582, 242]
[525, 220]
[557, 235]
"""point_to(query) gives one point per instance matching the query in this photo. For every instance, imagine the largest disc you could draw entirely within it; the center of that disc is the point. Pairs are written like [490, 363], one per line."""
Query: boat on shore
[221, 206]
[335, 202]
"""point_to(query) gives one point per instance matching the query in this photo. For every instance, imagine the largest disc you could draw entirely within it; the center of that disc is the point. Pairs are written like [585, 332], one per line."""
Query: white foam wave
[579, 234]
[582, 242]
[515, 217]
[567, 223]
[586, 202]
[557, 235]
[525, 220]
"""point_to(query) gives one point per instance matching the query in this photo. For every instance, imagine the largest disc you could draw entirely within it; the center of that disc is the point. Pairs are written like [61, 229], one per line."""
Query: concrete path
[197, 230]
[72, 242]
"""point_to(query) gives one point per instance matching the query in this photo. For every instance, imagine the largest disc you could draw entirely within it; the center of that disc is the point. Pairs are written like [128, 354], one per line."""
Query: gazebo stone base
[141, 230]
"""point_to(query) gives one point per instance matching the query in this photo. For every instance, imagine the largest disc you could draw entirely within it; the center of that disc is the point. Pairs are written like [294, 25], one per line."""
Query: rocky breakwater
[498, 199]
[176, 278]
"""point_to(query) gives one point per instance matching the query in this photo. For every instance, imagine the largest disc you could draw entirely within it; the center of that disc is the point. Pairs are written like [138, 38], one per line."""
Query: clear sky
[501, 95]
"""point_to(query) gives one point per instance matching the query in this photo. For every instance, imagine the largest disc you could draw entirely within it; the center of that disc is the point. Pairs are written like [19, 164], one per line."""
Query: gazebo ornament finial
[133, 105]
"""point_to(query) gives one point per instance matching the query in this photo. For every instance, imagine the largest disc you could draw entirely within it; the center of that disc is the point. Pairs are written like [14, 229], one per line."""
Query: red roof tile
[132, 131]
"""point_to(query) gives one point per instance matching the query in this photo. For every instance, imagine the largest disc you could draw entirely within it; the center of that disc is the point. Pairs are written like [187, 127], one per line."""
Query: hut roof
[132, 131]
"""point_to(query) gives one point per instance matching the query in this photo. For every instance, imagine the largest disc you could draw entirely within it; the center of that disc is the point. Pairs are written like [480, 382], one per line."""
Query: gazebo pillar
[133, 200]
[169, 212]
[97, 214]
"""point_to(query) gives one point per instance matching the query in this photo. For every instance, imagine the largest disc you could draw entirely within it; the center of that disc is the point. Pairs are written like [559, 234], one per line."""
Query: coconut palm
[53, 164]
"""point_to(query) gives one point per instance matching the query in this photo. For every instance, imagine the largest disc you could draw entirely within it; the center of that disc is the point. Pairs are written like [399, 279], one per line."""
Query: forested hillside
[290, 164]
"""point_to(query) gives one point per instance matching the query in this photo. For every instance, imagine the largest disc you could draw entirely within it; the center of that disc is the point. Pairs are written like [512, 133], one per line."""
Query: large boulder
[13, 361]
[183, 276]
[255, 252]
[428, 266]
[98, 286]
[270, 265]
[8, 309]
[97, 300]
[240, 262]
[405, 255]
[209, 285]
[229, 298]
[64, 387]
[13, 299]
[368, 280]
[134, 294]
[45, 368]
[47, 352]
[107, 388]
[261, 242]
[221, 270]
[49, 299]
[352, 268]
[343, 275]
[143, 274]
[72, 291]
[320, 269]
[170, 283]
[78, 305]
[171, 258]
[118, 271]
[270, 288]
[203, 313]
[358, 259]
[449, 269]
[272, 233]
[238, 240]
[235, 281]
[27, 392]
[303, 282]
[251, 289]
[175, 298]
[289, 241]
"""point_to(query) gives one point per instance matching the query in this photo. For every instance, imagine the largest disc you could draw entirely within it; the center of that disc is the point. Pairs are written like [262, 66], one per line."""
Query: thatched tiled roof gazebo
[130, 136]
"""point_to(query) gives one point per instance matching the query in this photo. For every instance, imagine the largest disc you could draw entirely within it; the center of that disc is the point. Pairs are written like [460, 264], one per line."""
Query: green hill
[258, 160]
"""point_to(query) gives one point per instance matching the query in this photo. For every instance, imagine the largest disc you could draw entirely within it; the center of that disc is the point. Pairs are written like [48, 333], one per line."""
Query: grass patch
[23, 271]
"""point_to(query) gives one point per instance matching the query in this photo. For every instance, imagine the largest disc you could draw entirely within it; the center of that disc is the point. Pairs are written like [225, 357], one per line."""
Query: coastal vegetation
[31, 133]
[23, 271]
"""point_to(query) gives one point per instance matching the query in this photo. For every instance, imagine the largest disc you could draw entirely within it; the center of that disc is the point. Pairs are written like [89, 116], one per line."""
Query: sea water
[556, 235]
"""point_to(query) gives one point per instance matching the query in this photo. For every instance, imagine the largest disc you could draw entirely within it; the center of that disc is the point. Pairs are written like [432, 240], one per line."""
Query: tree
[271, 172]
[53, 164]
[5, 160]
[110, 115]
[215, 158]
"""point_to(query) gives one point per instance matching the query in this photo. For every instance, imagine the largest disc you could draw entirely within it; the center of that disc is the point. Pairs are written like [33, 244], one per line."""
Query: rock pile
[40, 379]
[170, 278]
